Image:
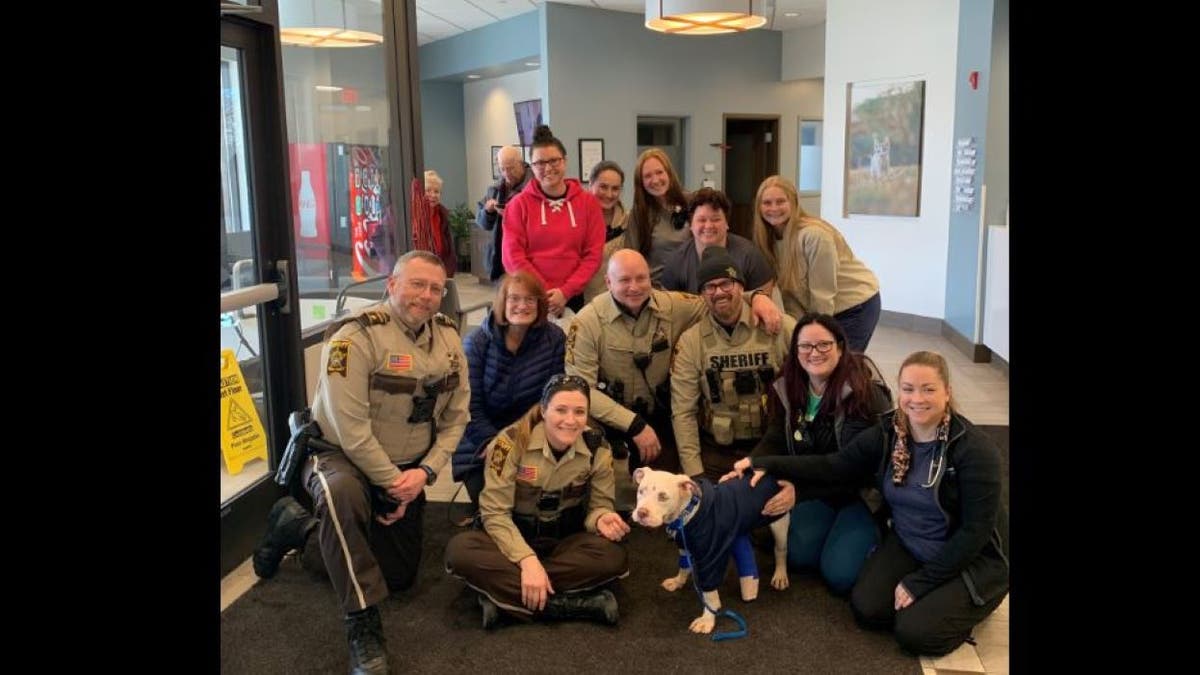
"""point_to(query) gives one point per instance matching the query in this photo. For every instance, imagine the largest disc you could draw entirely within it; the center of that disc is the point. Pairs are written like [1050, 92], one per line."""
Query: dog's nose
[642, 512]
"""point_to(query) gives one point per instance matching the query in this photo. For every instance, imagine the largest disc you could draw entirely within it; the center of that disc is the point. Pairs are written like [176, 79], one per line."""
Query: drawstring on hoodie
[556, 206]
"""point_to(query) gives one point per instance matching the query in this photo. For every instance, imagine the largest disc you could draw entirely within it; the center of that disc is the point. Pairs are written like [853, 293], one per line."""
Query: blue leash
[743, 630]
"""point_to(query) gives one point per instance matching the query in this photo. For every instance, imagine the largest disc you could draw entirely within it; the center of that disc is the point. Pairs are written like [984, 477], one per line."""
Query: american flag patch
[400, 362]
[527, 473]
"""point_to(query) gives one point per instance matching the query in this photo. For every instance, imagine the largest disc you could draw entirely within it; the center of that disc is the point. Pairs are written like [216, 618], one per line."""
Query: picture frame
[529, 117]
[591, 153]
[496, 162]
[527, 153]
[884, 139]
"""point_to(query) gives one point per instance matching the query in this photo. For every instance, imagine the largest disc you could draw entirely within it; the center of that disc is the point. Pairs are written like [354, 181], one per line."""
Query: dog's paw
[673, 583]
[779, 580]
[703, 623]
[748, 587]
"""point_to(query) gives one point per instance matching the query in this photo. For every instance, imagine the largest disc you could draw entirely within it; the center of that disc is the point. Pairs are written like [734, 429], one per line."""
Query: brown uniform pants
[718, 460]
[668, 454]
[580, 562]
[363, 559]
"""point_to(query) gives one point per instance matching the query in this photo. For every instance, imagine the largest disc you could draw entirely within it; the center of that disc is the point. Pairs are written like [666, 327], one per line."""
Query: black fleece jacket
[967, 489]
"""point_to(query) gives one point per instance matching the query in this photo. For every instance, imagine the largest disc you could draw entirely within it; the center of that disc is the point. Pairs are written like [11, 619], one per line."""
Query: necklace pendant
[797, 435]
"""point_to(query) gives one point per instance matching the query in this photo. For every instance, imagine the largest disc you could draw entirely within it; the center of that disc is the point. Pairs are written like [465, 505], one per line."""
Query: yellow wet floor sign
[242, 435]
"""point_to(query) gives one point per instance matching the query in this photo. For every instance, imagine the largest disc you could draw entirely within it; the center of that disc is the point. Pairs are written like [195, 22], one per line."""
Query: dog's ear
[689, 486]
[638, 473]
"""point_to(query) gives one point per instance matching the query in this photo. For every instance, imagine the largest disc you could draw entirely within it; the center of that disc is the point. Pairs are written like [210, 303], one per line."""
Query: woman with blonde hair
[815, 269]
[658, 222]
[943, 564]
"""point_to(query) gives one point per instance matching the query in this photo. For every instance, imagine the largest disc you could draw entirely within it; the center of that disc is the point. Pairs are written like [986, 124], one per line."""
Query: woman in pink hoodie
[554, 228]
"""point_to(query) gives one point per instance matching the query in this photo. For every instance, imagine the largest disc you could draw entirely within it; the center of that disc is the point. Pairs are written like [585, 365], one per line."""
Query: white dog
[714, 522]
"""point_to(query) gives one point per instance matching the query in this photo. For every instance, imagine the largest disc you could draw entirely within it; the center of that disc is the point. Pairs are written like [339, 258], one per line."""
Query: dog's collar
[685, 515]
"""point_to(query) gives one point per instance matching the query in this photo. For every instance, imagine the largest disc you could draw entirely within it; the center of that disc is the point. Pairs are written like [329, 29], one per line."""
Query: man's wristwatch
[430, 473]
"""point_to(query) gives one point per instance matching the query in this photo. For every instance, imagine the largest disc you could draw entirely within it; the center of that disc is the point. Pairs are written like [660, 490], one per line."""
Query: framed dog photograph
[884, 131]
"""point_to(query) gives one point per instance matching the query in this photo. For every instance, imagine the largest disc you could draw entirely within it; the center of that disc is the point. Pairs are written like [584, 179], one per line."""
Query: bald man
[514, 174]
[621, 344]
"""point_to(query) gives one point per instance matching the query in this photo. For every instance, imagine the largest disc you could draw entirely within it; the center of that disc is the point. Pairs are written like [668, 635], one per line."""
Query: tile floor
[980, 389]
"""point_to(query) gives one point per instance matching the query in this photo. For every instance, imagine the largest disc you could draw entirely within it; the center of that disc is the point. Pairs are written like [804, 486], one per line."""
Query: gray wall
[804, 53]
[604, 69]
[508, 41]
[442, 137]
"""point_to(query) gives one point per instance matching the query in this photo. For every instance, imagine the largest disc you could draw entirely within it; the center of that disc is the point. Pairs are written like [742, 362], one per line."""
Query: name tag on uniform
[400, 362]
[527, 473]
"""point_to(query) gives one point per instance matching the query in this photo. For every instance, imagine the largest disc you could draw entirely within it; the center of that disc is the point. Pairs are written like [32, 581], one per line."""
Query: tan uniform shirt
[603, 340]
[736, 416]
[373, 367]
[516, 477]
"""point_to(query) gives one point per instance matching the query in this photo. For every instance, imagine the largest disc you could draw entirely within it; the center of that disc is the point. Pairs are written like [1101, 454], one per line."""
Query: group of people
[704, 377]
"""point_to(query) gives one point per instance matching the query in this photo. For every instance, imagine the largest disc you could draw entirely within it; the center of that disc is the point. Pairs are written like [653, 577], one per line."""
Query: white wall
[874, 40]
[489, 120]
[803, 53]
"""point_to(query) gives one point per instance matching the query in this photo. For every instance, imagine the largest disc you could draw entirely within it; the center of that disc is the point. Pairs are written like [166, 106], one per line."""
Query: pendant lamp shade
[704, 17]
[330, 23]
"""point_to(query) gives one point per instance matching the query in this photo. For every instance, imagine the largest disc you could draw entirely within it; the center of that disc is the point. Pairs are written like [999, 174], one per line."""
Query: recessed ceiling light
[327, 87]
[532, 63]
[791, 14]
[472, 77]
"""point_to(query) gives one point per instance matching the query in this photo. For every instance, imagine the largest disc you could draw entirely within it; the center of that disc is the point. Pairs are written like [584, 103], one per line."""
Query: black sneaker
[288, 525]
[368, 653]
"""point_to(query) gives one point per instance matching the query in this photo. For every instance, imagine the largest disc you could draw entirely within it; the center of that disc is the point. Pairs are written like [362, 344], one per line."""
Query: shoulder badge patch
[339, 354]
[571, 333]
[500, 450]
[373, 317]
[445, 321]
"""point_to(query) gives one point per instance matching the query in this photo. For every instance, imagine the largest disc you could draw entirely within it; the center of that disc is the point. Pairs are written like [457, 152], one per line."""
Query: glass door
[262, 376]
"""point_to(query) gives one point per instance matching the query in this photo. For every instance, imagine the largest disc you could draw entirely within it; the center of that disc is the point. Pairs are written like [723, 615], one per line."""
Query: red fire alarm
[973, 78]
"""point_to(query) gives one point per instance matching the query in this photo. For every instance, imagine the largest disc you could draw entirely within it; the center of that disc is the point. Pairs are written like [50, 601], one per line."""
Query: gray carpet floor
[292, 624]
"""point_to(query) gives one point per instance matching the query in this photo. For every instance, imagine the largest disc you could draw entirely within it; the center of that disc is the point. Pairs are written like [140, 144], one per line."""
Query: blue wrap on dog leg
[684, 562]
[743, 557]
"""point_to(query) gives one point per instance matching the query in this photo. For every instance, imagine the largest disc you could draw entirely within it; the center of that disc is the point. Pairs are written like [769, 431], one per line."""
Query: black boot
[368, 654]
[491, 613]
[593, 605]
[288, 526]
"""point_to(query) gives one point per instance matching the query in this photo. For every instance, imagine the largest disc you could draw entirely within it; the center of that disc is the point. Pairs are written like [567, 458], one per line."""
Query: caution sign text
[242, 435]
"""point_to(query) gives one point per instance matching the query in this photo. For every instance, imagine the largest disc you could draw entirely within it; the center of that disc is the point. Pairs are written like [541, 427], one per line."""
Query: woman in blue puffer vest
[511, 356]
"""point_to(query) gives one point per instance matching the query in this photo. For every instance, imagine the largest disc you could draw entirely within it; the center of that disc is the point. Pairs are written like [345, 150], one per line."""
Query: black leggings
[934, 624]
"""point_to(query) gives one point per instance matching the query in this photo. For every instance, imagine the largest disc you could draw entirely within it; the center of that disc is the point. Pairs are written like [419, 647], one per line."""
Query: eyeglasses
[822, 347]
[420, 286]
[521, 299]
[724, 286]
[543, 163]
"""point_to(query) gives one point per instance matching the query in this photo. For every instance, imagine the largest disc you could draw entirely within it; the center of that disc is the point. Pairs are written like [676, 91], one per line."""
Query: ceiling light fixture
[704, 17]
[327, 87]
[791, 14]
[329, 23]
[472, 77]
[532, 63]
